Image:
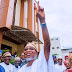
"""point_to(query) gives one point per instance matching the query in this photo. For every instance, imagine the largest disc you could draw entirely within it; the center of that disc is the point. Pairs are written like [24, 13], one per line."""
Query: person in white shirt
[16, 62]
[44, 63]
[60, 65]
[22, 60]
[6, 64]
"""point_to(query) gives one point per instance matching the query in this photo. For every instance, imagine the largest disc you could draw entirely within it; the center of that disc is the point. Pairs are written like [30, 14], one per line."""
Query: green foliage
[5, 51]
[12, 61]
[54, 54]
[18, 54]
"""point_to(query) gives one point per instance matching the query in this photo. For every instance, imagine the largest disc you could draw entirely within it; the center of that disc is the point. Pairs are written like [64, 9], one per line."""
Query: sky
[59, 19]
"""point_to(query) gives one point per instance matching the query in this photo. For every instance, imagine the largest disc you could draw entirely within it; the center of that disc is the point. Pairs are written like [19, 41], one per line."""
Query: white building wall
[65, 52]
[55, 46]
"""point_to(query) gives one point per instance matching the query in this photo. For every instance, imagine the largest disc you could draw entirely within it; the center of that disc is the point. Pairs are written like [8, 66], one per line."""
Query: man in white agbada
[44, 63]
[6, 65]
[60, 65]
[16, 62]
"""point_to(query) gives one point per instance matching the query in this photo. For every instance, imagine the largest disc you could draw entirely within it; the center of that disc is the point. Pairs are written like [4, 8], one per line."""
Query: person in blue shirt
[2, 69]
[0, 55]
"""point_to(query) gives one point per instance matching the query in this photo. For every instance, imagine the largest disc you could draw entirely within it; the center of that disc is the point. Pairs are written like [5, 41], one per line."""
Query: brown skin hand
[41, 15]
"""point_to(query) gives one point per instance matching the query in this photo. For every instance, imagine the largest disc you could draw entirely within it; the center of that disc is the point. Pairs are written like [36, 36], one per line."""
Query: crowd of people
[19, 61]
[28, 61]
[6, 66]
[63, 66]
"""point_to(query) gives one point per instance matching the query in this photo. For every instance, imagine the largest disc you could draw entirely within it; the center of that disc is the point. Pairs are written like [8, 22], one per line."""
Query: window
[56, 38]
[53, 48]
[57, 47]
[52, 39]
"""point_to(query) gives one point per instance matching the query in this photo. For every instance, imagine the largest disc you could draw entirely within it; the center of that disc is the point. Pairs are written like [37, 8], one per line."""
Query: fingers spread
[35, 6]
[38, 4]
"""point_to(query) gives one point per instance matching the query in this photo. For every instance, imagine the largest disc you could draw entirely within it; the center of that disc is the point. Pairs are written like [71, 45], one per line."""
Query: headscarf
[31, 44]
[65, 61]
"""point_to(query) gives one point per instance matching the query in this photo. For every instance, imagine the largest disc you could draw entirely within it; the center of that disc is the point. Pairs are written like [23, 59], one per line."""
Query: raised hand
[40, 13]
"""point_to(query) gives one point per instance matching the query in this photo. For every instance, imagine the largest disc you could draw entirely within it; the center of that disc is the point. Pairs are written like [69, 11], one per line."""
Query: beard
[30, 59]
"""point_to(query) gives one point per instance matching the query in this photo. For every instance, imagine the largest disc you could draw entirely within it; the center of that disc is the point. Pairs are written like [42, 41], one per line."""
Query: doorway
[6, 48]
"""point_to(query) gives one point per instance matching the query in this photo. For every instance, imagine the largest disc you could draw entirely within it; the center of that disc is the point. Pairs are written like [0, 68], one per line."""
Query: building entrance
[5, 48]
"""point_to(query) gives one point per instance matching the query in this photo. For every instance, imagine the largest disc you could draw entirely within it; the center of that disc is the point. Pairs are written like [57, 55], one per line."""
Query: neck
[7, 63]
[29, 63]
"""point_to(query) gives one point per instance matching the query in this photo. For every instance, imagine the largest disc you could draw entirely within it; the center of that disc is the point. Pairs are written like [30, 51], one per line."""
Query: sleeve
[46, 66]
[51, 67]
[42, 64]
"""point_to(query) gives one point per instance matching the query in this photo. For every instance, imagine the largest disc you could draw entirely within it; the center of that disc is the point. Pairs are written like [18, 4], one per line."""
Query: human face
[17, 62]
[71, 59]
[60, 61]
[7, 59]
[22, 56]
[55, 60]
[29, 52]
[0, 55]
[67, 64]
[66, 58]
[2, 59]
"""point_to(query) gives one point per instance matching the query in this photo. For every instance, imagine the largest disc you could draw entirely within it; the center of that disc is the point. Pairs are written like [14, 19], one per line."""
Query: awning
[20, 35]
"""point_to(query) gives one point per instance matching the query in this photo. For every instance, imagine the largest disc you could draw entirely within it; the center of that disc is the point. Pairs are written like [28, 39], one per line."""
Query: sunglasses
[66, 63]
[59, 59]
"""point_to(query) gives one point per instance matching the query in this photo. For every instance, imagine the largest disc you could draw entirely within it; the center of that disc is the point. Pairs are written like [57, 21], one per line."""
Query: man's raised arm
[41, 15]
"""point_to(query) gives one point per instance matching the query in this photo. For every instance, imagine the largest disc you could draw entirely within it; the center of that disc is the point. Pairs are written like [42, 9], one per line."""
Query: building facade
[55, 46]
[18, 24]
[65, 51]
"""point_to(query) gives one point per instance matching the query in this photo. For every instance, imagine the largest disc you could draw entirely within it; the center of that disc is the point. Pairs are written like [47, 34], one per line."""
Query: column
[30, 16]
[6, 13]
[38, 33]
[22, 14]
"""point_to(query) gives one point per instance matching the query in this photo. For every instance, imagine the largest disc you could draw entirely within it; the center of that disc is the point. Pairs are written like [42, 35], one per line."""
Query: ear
[36, 53]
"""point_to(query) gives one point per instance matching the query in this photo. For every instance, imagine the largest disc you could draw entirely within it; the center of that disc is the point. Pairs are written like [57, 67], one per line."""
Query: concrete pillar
[34, 23]
[6, 13]
[38, 33]
[22, 14]
[30, 16]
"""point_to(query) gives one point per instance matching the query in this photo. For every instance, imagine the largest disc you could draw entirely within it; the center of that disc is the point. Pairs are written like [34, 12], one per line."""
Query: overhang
[19, 35]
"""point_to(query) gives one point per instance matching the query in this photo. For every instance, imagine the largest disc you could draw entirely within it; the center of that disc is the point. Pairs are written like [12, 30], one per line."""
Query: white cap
[60, 57]
[6, 54]
[17, 58]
